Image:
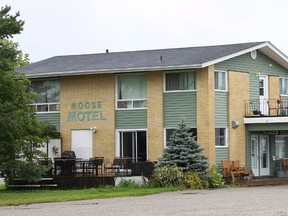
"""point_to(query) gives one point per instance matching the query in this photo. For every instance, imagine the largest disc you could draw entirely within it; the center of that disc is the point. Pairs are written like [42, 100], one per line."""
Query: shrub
[193, 181]
[216, 179]
[167, 176]
[127, 183]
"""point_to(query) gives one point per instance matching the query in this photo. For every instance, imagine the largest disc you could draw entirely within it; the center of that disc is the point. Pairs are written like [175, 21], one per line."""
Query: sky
[68, 27]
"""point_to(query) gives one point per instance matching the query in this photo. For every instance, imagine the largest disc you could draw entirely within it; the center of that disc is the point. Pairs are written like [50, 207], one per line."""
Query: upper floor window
[47, 95]
[283, 84]
[220, 137]
[132, 91]
[220, 80]
[180, 81]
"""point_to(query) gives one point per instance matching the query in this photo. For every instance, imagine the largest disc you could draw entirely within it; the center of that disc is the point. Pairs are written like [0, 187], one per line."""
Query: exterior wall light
[235, 124]
[94, 129]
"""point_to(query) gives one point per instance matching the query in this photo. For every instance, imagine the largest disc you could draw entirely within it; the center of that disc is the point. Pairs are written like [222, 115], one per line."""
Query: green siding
[178, 105]
[221, 109]
[131, 119]
[53, 118]
[221, 154]
[260, 65]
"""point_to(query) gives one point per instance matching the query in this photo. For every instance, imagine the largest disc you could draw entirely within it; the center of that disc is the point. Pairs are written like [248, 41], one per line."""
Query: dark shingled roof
[192, 57]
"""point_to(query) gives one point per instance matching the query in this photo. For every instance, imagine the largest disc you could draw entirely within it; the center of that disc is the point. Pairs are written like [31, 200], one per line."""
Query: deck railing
[271, 107]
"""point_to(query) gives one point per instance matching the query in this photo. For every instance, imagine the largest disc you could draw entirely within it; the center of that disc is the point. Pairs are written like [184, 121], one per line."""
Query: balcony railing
[272, 107]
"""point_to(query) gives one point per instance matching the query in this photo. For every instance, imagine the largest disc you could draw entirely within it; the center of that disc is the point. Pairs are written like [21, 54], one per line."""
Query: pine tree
[184, 151]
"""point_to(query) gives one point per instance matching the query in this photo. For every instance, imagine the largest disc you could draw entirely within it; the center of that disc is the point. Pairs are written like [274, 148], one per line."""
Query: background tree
[184, 151]
[20, 132]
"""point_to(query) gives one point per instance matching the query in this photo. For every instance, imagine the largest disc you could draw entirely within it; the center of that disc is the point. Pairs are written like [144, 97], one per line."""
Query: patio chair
[94, 166]
[284, 164]
[236, 169]
[113, 168]
[226, 168]
[272, 108]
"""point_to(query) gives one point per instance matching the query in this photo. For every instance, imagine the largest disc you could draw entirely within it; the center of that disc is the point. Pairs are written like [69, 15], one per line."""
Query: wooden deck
[75, 182]
[264, 181]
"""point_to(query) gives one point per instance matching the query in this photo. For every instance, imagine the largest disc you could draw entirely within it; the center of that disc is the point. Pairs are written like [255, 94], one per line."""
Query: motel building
[126, 104]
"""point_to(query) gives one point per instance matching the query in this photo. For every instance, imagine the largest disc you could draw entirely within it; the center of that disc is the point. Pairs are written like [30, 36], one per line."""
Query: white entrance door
[260, 163]
[82, 143]
[263, 92]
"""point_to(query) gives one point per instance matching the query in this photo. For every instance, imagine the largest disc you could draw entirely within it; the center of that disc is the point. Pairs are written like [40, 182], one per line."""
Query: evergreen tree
[20, 131]
[184, 151]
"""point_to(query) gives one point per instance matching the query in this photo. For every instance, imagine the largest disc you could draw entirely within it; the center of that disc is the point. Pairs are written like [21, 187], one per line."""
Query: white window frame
[280, 85]
[129, 100]
[57, 105]
[171, 91]
[225, 136]
[165, 134]
[226, 81]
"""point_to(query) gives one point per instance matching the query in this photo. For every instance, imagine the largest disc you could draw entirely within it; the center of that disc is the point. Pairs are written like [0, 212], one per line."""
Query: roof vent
[161, 58]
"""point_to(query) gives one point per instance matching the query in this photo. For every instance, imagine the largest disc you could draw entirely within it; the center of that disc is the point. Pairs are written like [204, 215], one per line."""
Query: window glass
[170, 131]
[220, 80]
[132, 91]
[133, 144]
[220, 137]
[283, 84]
[47, 91]
[279, 147]
[180, 81]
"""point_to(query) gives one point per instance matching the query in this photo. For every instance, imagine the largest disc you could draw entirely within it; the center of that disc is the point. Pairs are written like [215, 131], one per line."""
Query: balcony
[266, 111]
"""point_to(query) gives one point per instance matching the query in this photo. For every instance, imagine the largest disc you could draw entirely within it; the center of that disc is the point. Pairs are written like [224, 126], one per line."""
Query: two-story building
[126, 104]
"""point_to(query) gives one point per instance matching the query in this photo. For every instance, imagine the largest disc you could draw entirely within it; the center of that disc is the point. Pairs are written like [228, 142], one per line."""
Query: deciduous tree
[20, 132]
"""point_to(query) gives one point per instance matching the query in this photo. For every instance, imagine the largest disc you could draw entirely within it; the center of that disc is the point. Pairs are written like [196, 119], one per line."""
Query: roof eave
[109, 71]
[266, 47]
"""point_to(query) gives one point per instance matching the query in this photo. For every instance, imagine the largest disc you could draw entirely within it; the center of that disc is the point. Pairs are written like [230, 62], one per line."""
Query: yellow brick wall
[238, 93]
[155, 114]
[205, 111]
[90, 88]
[273, 84]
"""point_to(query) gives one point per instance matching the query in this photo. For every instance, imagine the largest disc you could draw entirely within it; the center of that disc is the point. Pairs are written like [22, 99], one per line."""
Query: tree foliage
[20, 132]
[184, 151]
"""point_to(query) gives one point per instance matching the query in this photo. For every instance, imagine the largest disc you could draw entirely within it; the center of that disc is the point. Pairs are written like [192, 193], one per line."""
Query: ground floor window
[132, 144]
[281, 143]
[220, 137]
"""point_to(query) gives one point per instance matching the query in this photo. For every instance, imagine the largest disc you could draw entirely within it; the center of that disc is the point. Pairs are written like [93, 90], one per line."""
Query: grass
[26, 197]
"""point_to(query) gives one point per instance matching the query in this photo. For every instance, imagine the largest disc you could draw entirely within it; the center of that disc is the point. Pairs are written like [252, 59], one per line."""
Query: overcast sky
[66, 27]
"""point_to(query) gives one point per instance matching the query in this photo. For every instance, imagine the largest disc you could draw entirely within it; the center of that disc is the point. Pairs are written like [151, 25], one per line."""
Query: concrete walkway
[264, 200]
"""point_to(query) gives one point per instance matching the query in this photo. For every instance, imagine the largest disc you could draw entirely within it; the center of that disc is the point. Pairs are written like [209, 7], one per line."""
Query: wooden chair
[284, 164]
[240, 171]
[226, 168]
[272, 108]
[233, 169]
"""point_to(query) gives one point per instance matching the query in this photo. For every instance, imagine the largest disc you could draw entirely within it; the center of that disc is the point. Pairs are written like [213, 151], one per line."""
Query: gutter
[111, 71]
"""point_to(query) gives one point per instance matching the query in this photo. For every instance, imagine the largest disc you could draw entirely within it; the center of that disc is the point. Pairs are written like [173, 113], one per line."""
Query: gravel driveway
[263, 200]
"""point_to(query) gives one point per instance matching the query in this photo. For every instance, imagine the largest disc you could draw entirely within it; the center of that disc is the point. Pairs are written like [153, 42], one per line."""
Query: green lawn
[24, 197]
